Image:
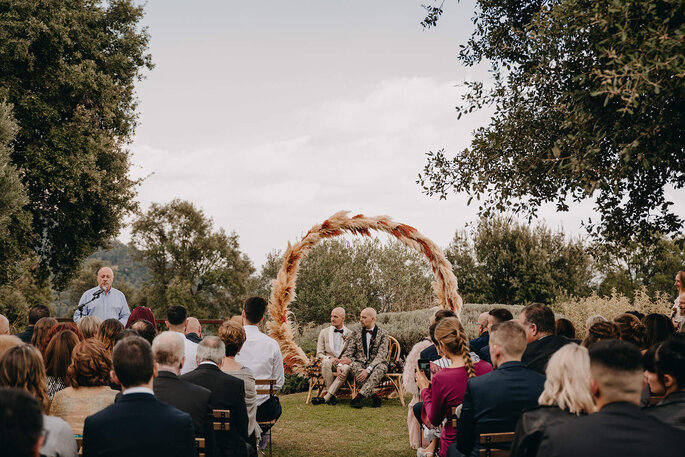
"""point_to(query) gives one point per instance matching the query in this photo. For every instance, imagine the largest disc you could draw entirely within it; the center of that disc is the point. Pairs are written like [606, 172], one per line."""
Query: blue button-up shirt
[110, 305]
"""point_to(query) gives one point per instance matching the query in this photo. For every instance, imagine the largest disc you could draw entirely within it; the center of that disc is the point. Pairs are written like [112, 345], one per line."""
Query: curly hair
[233, 336]
[41, 329]
[108, 331]
[601, 331]
[22, 367]
[631, 329]
[90, 365]
[450, 333]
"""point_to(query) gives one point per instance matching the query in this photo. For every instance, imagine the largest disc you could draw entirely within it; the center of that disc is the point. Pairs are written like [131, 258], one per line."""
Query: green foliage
[189, 263]
[629, 268]
[504, 261]
[355, 274]
[588, 103]
[69, 68]
[294, 383]
[23, 292]
[121, 258]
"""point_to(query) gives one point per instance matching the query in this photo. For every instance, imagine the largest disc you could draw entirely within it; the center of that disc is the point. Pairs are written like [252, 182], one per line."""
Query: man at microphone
[103, 301]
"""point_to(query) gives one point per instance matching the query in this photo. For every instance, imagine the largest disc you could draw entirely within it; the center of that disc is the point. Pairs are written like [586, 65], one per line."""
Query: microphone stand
[96, 295]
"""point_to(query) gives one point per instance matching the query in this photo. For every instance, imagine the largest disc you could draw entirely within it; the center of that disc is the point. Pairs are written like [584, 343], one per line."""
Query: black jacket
[194, 337]
[538, 352]
[619, 429]
[531, 427]
[476, 344]
[228, 392]
[189, 398]
[138, 424]
[494, 402]
[670, 410]
[430, 353]
[26, 335]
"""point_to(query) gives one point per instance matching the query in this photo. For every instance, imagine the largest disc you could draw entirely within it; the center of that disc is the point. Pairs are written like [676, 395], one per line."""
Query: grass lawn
[323, 430]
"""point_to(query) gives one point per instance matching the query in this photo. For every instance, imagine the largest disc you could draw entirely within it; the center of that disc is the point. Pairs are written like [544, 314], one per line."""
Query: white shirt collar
[138, 390]
[208, 362]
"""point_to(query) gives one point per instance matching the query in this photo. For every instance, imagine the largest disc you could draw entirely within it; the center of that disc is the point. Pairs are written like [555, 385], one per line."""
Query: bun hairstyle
[631, 329]
[450, 333]
[601, 331]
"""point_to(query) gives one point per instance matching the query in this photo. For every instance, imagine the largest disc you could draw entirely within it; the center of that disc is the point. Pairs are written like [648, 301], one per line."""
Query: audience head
[133, 363]
[211, 349]
[253, 310]
[90, 364]
[22, 367]
[482, 323]
[168, 349]
[617, 372]
[592, 320]
[337, 317]
[507, 342]
[89, 326]
[437, 317]
[658, 328]
[37, 312]
[21, 424]
[601, 331]
[54, 330]
[368, 318]
[140, 312]
[680, 281]
[108, 331]
[665, 366]
[233, 336]
[451, 340]
[193, 326]
[58, 353]
[538, 321]
[145, 328]
[636, 313]
[568, 380]
[41, 330]
[631, 329]
[176, 317]
[681, 303]
[7, 342]
[564, 327]
[497, 315]
[126, 333]
[4, 325]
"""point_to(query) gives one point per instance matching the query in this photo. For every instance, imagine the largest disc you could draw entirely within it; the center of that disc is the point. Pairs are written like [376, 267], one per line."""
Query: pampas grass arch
[283, 290]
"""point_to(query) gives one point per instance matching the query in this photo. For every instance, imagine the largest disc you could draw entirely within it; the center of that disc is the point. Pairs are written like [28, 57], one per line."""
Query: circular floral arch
[283, 290]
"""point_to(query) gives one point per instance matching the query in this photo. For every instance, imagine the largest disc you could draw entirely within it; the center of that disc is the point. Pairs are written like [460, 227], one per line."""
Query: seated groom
[328, 349]
[366, 355]
[137, 424]
[620, 427]
[495, 401]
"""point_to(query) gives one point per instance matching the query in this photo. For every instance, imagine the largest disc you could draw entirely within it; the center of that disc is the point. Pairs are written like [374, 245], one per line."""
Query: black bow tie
[368, 331]
[338, 330]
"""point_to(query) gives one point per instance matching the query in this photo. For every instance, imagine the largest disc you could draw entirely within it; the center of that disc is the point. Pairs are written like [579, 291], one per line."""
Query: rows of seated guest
[154, 400]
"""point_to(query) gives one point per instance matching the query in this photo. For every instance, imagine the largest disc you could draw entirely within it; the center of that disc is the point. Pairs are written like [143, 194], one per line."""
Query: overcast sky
[270, 116]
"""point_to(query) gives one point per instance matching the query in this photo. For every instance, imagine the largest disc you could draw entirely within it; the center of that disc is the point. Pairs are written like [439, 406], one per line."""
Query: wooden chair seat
[491, 442]
[200, 446]
[222, 420]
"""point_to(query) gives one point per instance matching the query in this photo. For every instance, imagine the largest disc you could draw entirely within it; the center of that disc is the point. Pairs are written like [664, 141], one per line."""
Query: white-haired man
[329, 348]
[103, 301]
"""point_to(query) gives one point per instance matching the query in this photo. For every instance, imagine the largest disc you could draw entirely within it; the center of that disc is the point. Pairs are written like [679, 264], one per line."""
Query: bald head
[483, 323]
[368, 318]
[193, 326]
[105, 278]
[337, 317]
[8, 342]
[4, 325]
[168, 349]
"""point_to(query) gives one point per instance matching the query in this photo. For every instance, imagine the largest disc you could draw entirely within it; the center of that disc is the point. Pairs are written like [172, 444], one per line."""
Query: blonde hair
[89, 326]
[22, 367]
[450, 333]
[568, 380]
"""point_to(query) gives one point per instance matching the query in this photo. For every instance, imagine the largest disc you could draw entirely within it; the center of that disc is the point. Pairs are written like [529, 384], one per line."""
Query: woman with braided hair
[447, 388]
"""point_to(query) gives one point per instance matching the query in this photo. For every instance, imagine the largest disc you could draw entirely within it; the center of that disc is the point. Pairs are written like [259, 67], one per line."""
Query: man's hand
[341, 374]
[334, 361]
[346, 360]
[361, 377]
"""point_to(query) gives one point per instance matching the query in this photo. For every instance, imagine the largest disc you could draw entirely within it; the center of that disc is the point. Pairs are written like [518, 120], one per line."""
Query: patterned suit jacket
[324, 346]
[376, 354]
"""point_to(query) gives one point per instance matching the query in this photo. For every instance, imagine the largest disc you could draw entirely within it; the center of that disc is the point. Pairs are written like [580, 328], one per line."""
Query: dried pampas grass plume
[283, 290]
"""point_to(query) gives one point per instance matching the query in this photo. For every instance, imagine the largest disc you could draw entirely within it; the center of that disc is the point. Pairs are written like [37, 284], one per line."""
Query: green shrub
[294, 383]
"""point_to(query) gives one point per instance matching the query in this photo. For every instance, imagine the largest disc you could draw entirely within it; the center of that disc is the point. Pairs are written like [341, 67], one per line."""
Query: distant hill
[120, 257]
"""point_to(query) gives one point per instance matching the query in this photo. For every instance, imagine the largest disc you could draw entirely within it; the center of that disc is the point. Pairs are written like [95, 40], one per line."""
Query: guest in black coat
[666, 376]
[477, 344]
[494, 401]
[620, 428]
[431, 353]
[168, 349]
[566, 396]
[228, 392]
[538, 321]
[35, 313]
[137, 424]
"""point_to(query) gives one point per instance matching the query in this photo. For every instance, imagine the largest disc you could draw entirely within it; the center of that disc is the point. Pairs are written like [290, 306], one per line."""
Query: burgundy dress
[447, 391]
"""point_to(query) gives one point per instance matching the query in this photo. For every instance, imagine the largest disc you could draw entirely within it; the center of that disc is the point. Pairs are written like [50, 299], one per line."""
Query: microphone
[97, 293]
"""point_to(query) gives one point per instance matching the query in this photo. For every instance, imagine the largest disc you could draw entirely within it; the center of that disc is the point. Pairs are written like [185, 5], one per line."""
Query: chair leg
[309, 394]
